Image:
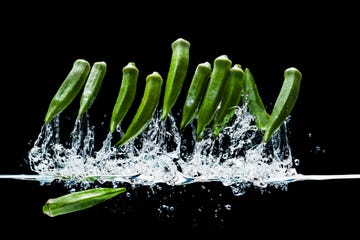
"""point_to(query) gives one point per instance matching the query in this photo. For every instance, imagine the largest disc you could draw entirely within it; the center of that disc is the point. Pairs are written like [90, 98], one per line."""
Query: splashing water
[161, 154]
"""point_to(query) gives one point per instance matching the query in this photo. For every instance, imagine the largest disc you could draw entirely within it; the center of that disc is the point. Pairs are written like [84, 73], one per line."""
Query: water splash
[161, 154]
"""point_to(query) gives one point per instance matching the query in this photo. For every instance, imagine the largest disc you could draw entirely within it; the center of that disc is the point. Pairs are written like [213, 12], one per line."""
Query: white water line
[181, 180]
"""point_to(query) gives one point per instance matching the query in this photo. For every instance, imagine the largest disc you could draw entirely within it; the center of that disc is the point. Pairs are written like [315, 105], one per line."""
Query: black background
[38, 49]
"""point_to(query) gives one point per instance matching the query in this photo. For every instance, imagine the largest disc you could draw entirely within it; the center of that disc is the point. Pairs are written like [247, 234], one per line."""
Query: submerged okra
[92, 86]
[195, 93]
[80, 200]
[146, 109]
[234, 90]
[125, 96]
[284, 102]
[69, 89]
[176, 75]
[213, 94]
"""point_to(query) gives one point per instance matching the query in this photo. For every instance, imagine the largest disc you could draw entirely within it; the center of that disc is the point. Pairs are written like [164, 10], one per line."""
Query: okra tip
[204, 65]
[130, 65]
[180, 42]
[82, 61]
[46, 210]
[293, 70]
[154, 75]
[223, 59]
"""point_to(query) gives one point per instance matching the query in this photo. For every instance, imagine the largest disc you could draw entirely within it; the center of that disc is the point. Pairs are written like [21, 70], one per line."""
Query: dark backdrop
[37, 51]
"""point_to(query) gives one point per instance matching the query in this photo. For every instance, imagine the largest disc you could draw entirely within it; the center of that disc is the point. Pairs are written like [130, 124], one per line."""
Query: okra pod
[125, 96]
[213, 94]
[176, 74]
[80, 200]
[255, 104]
[285, 101]
[234, 90]
[68, 90]
[195, 93]
[92, 86]
[146, 109]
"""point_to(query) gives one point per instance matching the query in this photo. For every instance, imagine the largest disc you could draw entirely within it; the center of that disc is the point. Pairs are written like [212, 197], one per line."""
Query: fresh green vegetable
[126, 95]
[234, 90]
[255, 104]
[176, 75]
[68, 90]
[80, 200]
[195, 93]
[285, 101]
[213, 94]
[146, 110]
[92, 86]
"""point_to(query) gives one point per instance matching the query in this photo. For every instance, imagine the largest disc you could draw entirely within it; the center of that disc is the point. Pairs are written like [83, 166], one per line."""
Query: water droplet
[297, 162]
[227, 206]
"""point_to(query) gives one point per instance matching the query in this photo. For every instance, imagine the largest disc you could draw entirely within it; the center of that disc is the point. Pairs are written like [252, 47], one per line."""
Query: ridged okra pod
[176, 74]
[125, 96]
[285, 101]
[233, 93]
[80, 200]
[92, 86]
[146, 109]
[69, 89]
[213, 94]
[255, 103]
[195, 93]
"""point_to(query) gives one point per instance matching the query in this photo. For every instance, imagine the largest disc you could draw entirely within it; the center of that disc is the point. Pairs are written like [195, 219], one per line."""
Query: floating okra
[146, 110]
[255, 104]
[126, 95]
[176, 75]
[284, 102]
[234, 90]
[195, 93]
[213, 94]
[92, 86]
[80, 200]
[68, 90]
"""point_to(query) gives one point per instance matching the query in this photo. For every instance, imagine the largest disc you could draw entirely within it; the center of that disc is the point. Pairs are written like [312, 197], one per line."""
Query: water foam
[161, 154]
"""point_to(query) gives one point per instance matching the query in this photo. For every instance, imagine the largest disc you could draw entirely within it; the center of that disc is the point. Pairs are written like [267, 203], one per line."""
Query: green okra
[80, 200]
[285, 101]
[146, 109]
[176, 75]
[255, 104]
[195, 93]
[68, 90]
[125, 96]
[92, 86]
[213, 94]
[234, 90]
